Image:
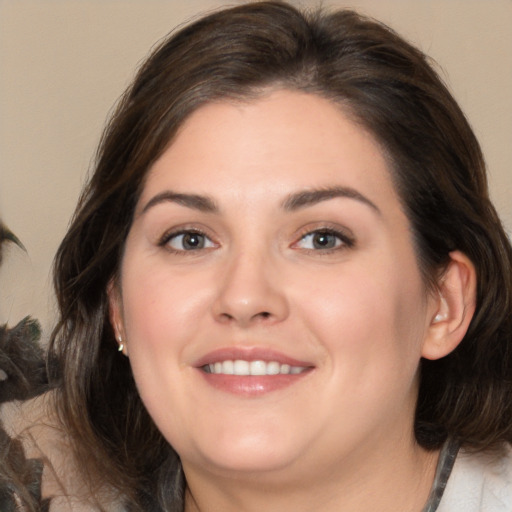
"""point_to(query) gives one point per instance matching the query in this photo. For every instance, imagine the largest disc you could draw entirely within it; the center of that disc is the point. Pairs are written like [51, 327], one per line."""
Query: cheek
[370, 321]
[163, 314]
[160, 305]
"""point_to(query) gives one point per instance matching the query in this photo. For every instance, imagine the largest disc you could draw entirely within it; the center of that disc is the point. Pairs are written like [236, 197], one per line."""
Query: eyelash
[170, 235]
[343, 240]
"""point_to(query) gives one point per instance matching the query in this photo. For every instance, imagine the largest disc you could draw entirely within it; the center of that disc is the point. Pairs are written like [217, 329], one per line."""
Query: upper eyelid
[343, 232]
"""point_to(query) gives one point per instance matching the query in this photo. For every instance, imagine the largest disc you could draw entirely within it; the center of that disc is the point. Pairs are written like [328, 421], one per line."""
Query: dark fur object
[22, 376]
[20, 479]
[22, 361]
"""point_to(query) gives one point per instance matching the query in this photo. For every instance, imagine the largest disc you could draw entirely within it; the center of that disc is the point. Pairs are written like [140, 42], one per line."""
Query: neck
[398, 478]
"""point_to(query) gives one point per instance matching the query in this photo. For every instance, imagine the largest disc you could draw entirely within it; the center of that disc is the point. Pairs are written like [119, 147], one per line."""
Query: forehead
[278, 142]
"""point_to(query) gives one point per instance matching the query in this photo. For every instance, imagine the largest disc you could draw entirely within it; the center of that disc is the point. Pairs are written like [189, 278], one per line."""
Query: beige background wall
[63, 63]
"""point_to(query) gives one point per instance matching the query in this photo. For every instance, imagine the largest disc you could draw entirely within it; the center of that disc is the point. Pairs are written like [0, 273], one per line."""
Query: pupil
[324, 241]
[192, 241]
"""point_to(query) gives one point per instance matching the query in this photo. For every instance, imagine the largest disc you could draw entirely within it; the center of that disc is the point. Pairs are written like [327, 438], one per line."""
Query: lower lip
[252, 385]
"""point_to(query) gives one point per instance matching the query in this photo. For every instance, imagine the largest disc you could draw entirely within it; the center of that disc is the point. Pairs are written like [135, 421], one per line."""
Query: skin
[341, 436]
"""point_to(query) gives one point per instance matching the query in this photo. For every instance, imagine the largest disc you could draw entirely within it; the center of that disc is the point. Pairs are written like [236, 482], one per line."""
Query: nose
[250, 292]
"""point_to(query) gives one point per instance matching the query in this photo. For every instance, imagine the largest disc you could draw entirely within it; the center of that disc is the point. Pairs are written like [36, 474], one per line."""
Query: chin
[249, 455]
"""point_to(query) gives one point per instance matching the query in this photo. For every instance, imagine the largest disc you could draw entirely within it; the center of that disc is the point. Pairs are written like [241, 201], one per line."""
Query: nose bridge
[250, 290]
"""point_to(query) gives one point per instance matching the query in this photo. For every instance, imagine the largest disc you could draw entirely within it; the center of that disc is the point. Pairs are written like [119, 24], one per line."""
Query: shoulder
[44, 445]
[480, 482]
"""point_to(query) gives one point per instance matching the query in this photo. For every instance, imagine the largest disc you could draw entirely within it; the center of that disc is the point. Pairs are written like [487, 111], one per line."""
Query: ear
[116, 315]
[453, 308]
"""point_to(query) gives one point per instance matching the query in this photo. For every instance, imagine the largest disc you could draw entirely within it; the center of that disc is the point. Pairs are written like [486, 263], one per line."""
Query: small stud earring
[439, 317]
[121, 344]
[443, 311]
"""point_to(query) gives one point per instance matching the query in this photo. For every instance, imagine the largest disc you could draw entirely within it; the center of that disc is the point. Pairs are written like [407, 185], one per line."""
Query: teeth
[228, 367]
[273, 368]
[256, 367]
[285, 368]
[242, 367]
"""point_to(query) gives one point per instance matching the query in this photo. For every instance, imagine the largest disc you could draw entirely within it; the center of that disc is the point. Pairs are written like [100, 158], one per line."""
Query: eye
[323, 240]
[186, 241]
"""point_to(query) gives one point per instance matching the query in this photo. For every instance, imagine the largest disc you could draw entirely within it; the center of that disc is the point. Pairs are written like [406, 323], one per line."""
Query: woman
[288, 235]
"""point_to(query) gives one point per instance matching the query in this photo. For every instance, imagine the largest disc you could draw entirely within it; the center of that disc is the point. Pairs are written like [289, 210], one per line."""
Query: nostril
[264, 314]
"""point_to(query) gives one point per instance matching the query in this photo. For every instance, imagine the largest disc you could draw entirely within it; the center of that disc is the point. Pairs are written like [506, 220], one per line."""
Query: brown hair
[387, 86]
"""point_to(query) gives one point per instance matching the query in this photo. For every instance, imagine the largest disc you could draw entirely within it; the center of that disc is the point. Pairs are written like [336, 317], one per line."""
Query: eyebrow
[295, 201]
[307, 198]
[194, 201]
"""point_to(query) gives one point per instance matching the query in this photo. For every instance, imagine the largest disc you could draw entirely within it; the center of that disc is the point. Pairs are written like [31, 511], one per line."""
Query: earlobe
[453, 307]
[116, 316]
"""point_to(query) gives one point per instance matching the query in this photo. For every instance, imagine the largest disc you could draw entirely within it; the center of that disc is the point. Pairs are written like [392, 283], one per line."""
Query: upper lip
[249, 354]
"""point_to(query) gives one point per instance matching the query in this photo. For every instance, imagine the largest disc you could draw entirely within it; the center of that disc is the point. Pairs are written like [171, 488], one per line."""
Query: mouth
[251, 371]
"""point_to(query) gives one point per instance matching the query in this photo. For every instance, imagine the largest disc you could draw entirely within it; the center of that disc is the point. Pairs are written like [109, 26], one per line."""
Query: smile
[246, 368]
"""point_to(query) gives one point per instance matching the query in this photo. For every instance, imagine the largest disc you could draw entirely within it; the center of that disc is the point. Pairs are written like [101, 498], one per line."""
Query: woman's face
[270, 299]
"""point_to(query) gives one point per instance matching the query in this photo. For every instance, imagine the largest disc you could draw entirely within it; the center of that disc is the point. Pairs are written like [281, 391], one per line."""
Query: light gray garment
[479, 482]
